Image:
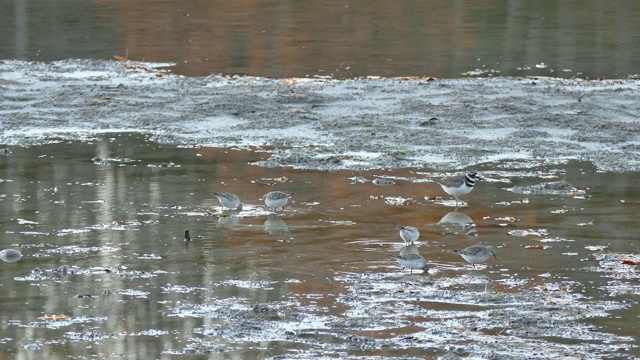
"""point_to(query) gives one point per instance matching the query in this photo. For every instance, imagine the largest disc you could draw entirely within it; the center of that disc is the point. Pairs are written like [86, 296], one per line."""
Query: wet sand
[318, 123]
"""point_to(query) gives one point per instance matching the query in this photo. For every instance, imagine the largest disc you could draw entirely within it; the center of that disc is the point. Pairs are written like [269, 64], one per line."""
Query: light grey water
[105, 270]
[335, 38]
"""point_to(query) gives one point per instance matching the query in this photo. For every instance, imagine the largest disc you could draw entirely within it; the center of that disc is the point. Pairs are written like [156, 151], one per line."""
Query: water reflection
[335, 38]
[460, 220]
[118, 229]
[228, 219]
[274, 225]
[477, 282]
[409, 249]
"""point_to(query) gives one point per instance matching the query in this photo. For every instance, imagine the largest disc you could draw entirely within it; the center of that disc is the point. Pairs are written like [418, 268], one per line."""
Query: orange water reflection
[337, 38]
[339, 232]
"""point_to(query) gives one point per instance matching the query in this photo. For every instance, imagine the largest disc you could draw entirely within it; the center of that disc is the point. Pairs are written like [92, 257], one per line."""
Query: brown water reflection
[337, 38]
[109, 242]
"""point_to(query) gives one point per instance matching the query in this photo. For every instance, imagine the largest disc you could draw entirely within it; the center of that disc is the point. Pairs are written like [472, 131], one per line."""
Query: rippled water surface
[94, 262]
[105, 270]
[338, 38]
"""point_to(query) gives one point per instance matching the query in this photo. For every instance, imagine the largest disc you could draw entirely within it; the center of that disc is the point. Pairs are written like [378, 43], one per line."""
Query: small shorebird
[187, 237]
[229, 201]
[409, 234]
[476, 254]
[411, 261]
[276, 199]
[460, 185]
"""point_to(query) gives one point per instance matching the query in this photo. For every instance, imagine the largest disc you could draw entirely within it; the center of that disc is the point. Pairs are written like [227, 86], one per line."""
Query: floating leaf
[510, 219]
[53, 317]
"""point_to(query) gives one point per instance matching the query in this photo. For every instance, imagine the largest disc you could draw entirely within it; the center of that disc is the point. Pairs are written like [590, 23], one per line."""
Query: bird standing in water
[229, 201]
[460, 185]
[476, 254]
[411, 261]
[276, 199]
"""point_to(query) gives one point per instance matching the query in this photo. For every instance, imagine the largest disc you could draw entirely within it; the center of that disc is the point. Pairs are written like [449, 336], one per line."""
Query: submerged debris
[547, 188]
[623, 269]
[383, 182]
[464, 313]
[528, 232]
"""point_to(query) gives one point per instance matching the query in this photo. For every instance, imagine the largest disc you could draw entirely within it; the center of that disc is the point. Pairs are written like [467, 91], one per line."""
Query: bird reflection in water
[274, 225]
[409, 257]
[459, 220]
[409, 249]
[228, 219]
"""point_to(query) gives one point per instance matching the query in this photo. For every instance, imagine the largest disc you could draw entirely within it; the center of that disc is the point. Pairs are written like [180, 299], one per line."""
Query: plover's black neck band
[469, 181]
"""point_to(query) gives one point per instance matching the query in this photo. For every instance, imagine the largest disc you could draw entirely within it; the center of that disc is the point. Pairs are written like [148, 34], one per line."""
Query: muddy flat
[105, 165]
[321, 123]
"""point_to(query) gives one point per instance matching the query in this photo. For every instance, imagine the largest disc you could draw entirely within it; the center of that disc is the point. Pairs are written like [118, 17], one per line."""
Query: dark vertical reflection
[124, 223]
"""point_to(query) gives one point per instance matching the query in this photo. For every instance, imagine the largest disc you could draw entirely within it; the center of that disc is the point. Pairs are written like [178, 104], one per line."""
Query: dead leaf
[53, 317]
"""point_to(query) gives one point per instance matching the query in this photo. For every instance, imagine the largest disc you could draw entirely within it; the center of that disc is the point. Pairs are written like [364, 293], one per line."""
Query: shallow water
[105, 270]
[337, 38]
